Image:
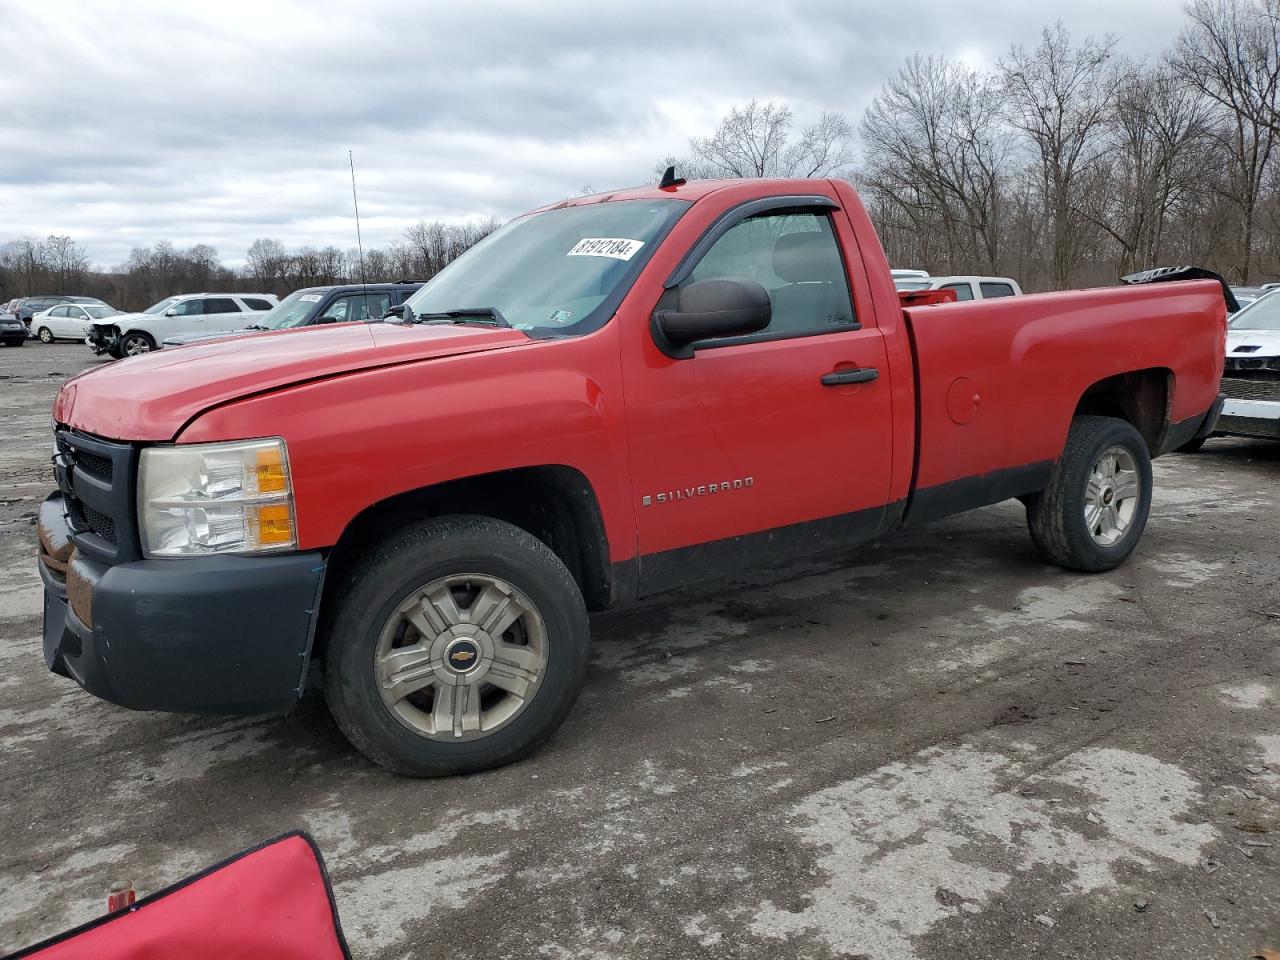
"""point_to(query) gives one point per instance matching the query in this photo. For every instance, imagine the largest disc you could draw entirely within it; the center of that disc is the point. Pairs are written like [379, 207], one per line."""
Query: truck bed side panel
[999, 380]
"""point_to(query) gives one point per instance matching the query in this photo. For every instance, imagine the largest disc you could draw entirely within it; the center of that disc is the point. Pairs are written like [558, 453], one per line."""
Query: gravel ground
[935, 747]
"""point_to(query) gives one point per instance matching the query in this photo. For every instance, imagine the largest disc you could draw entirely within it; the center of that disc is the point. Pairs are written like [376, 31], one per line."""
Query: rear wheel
[133, 344]
[1092, 514]
[45, 335]
[459, 645]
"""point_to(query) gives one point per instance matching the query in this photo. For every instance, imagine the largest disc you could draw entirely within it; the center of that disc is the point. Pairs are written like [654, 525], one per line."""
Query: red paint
[372, 411]
[269, 904]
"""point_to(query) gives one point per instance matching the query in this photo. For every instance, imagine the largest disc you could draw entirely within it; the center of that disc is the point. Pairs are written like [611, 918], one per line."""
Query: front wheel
[1094, 509]
[45, 335]
[135, 344]
[460, 644]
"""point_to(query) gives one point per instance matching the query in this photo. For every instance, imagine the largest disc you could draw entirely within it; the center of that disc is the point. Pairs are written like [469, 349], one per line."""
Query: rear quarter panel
[1023, 363]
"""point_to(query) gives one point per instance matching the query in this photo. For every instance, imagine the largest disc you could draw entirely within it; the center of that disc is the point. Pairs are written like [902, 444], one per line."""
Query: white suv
[127, 335]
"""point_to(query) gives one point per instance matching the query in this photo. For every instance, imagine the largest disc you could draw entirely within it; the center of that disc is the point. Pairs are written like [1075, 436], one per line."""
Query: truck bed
[998, 381]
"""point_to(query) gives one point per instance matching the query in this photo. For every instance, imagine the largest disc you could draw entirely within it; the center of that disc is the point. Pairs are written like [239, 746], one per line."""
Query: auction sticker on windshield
[615, 247]
[309, 298]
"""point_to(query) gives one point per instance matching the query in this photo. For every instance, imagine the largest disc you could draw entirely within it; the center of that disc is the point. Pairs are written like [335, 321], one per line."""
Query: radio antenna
[359, 242]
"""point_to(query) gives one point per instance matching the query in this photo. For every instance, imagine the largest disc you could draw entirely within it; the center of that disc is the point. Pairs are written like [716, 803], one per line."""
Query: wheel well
[554, 503]
[1142, 397]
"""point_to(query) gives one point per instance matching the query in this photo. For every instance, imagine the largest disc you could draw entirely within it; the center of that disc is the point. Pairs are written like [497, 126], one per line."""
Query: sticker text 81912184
[619, 248]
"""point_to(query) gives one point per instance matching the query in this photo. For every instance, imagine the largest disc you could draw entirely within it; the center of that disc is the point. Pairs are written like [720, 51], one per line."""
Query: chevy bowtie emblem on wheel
[702, 490]
[463, 656]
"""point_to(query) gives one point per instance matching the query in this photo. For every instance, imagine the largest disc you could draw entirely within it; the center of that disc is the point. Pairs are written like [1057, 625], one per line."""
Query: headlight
[205, 498]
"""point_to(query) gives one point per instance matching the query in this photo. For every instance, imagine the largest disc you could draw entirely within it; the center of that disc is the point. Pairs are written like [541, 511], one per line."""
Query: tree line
[1066, 164]
[59, 264]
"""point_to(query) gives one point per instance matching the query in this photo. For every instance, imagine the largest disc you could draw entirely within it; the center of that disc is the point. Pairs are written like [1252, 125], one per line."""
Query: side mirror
[396, 312]
[171, 312]
[706, 309]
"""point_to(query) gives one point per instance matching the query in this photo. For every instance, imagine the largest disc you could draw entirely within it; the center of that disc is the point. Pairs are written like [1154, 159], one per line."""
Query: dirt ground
[937, 747]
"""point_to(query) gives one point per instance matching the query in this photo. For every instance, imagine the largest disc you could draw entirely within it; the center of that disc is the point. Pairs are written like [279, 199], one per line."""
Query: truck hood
[1255, 344]
[152, 397]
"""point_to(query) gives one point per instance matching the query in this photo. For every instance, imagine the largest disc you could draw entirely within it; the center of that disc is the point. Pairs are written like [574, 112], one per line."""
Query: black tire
[1056, 515]
[1192, 446]
[143, 340]
[409, 560]
[45, 335]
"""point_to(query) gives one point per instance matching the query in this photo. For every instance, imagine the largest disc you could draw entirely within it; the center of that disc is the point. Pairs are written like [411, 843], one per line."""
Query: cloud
[125, 123]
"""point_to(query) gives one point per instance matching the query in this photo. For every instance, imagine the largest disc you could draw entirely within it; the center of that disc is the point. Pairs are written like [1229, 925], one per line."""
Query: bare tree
[1229, 53]
[1059, 95]
[1158, 154]
[267, 262]
[937, 149]
[755, 141]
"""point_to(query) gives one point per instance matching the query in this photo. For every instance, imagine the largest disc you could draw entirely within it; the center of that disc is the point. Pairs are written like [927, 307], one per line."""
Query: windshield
[1262, 314]
[162, 306]
[97, 312]
[289, 312]
[557, 273]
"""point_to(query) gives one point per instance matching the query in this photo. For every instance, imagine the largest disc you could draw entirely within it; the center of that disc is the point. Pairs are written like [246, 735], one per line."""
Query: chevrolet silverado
[607, 398]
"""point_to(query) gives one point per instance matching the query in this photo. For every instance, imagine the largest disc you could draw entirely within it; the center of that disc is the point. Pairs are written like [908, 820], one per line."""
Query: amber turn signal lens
[275, 524]
[271, 477]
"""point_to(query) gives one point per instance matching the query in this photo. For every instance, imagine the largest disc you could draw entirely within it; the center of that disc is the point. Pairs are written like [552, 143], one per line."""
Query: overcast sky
[219, 122]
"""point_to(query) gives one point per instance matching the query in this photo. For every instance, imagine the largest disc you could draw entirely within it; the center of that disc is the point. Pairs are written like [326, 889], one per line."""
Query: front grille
[101, 524]
[1238, 388]
[96, 478]
[100, 467]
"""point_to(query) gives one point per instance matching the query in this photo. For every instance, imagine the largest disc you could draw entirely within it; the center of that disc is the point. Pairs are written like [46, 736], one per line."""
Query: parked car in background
[315, 305]
[1251, 373]
[1246, 295]
[129, 334]
[27, 307]
[966, 288]
[69, 321]
[908, 275]
[13, 332]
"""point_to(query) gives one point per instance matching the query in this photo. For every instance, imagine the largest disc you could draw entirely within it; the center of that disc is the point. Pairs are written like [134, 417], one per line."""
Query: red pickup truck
[607, 398]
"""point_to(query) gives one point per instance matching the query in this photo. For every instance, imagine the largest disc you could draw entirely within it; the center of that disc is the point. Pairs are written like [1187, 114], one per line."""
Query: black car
[13, 332]
[315, 305]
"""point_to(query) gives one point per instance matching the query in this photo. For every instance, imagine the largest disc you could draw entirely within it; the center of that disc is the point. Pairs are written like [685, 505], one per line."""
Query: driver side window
[188, 308]
[796, 258]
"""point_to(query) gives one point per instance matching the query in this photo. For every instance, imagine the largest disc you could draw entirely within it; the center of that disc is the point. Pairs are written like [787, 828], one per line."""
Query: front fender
[359, 439]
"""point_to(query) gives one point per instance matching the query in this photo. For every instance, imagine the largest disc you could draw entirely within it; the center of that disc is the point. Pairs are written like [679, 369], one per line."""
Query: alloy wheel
[461, 657]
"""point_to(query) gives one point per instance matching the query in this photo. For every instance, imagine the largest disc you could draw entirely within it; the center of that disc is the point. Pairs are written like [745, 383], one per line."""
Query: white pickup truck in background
[966, 288]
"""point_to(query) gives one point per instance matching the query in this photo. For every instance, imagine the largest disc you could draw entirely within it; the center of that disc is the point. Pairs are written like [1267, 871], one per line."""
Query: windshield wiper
[255, 326]
[489, 315]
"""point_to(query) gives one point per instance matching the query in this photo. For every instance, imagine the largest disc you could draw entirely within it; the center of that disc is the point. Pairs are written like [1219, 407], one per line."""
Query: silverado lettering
[417, 516]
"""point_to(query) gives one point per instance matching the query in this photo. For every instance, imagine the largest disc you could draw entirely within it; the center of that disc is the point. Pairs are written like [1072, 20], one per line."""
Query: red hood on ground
[151, 397]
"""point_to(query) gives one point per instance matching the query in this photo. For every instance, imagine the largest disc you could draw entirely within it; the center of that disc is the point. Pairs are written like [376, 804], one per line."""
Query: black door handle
[837, 378]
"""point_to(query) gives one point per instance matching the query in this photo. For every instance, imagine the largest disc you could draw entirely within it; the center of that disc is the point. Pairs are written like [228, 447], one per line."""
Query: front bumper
[191, 635]
[1251, 418]
[101, 339]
